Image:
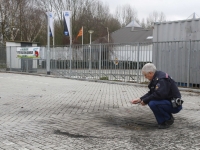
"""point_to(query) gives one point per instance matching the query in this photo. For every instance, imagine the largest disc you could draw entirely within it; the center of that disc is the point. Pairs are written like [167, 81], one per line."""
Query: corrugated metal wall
[176, 50]
[183, 30]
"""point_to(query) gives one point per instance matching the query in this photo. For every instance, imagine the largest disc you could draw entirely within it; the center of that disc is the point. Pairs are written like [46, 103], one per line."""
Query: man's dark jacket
[162, 87]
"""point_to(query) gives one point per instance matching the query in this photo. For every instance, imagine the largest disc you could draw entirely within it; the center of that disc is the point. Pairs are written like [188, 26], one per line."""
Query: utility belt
[176, 102]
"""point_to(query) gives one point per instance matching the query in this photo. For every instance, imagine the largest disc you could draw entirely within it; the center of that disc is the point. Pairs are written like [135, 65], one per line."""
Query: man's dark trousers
[163, 109]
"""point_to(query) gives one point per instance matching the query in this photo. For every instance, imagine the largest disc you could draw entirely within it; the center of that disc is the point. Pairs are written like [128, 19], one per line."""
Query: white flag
[51, 23]
[67, 16]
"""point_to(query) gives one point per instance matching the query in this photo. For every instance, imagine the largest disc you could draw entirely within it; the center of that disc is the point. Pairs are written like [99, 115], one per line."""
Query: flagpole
[82, 35]
[48, 46]
[54, 40]
[82, 49]
[70, 37]
[53, 32]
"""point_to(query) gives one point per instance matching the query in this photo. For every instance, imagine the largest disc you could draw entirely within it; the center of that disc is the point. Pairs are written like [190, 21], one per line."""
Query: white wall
[11, 55]
[12, 44]
[130, 53]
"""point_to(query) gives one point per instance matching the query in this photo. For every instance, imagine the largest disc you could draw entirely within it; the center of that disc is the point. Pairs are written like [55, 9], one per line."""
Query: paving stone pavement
[46, 113]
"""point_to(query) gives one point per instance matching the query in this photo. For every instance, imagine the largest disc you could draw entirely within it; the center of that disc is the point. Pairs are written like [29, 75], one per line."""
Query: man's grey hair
[149, 67]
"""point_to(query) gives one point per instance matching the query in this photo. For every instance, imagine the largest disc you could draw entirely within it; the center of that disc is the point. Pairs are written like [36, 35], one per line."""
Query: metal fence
[117, 62]
[181, 59]
[103, 61]
[2, 57]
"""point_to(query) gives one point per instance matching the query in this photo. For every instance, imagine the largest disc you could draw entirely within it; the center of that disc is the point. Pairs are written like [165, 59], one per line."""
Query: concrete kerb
[101, 81]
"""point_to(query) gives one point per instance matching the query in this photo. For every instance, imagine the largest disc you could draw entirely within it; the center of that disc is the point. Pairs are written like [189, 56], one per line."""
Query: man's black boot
[170, 121]
[163, 126]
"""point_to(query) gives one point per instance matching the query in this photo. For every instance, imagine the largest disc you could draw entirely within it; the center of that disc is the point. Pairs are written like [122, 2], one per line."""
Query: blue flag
[66, 16]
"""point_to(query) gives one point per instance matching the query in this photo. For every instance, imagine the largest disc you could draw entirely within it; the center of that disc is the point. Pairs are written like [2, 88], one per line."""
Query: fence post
[138, 51]
[48, 46]
[10, 59]
[70, 63]
[188, 65]
[27, 66]
[90, 64]
[100, 60]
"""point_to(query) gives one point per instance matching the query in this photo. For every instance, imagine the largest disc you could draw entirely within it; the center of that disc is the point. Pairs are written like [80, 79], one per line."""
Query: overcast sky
[173, 9]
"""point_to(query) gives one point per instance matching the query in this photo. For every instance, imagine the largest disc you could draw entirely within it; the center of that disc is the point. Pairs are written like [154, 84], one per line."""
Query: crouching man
[163, 98]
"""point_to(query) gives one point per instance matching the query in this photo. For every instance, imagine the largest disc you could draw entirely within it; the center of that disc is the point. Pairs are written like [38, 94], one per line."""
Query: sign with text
[28, 52]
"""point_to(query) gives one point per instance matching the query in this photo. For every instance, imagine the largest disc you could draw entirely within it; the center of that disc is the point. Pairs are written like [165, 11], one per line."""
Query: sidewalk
[45, 113]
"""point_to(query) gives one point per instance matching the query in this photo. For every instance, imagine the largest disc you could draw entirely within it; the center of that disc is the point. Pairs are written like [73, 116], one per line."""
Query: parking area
[48, 113]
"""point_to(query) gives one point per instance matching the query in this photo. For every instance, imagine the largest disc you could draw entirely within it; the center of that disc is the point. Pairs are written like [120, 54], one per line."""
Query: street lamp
[90, 31]
[108, 33]
[90, 65]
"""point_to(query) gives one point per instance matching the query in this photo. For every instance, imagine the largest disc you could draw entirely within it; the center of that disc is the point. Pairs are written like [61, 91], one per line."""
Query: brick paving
[47, 113]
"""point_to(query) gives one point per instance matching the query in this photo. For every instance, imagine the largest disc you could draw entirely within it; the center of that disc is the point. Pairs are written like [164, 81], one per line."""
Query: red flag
[80, 32]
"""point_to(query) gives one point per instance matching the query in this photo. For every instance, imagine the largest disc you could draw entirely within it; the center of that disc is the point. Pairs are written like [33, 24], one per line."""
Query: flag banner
[51, 23]
[80, 32]
[67, 16]
[28, 52]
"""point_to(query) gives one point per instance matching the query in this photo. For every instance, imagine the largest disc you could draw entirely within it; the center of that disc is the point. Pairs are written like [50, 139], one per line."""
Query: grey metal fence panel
[100, 61]
[180, 59]
[120, 62]
[194, 64]
[181, 30]
[2, 57]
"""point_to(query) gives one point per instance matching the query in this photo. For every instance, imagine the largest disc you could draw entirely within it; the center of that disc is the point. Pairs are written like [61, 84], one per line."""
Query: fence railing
[2, 57]
[118, 62]
[180, 59]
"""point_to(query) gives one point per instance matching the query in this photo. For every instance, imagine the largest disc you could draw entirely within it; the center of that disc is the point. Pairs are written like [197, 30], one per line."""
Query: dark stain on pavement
[129, 123]
[58, 132]
[72, 135]
[6, 104]
[192, 109]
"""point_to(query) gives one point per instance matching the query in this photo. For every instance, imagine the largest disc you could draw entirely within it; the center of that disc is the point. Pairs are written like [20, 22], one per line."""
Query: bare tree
[143, 25]
[26, 20]
[8, 10]
[154, 17]
[125, 14]
[91, 14]
[58, 6]
[4, 22]
[101, 21]
[33, 21]
[21, 20]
